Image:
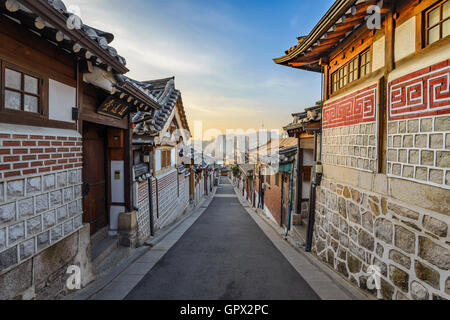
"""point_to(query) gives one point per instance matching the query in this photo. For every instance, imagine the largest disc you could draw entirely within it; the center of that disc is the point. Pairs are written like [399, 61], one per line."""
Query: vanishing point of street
[224, 255]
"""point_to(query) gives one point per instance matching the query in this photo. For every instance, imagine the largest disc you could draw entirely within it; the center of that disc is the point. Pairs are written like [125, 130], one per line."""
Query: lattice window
[437, 22]
[22, 90]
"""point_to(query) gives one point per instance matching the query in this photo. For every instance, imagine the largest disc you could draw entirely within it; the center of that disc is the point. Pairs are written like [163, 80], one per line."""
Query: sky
[220, 53]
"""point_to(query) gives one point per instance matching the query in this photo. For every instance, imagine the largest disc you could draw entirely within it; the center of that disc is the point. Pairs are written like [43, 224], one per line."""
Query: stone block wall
[352, 146]
[167, 198]
[37, 209]
[398, 221]
[183, 195]
[418, 127]
[350, 130]
[40, 195]
[199, 191]
[44, 276]
[356, 228]
[143, 214]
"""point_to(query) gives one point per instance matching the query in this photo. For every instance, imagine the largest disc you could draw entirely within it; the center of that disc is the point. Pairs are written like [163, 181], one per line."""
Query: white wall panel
[62, 99]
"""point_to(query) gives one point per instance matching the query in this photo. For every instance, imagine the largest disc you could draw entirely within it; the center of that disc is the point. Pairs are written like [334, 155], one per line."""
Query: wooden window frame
[425, 26]
[368, 63]
[23, 72]
[166, 159]
[355, 70]
[340, 78]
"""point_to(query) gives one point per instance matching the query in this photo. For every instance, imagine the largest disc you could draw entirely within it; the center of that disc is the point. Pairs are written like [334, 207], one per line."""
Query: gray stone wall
[352, 146]
[167, 199]
[143, 214]
[172, 196]
[355, 229]
[419, 150]
[37, 212]
[44, 276]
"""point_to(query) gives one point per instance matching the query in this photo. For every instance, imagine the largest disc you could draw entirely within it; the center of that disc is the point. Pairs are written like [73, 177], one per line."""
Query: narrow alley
[224, 255]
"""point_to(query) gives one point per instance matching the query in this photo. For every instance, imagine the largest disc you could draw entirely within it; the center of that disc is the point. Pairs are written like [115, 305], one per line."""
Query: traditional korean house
[274, 183]
[306, 128]
[383, 201]
[160, 140]
[247, 181]
[64, 135]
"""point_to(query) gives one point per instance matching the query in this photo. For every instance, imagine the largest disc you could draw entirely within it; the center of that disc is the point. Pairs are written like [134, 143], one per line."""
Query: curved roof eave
[328, 20]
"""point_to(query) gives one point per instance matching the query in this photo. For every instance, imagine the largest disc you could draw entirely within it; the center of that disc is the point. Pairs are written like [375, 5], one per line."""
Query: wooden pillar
[128, 155]
[300, 171]
[389, 30]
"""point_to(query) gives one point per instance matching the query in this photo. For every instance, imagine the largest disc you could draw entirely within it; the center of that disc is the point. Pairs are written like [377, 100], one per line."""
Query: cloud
[155, 46]
[220, 58]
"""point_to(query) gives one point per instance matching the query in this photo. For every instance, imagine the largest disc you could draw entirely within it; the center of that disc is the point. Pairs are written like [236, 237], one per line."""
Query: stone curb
[97, 286]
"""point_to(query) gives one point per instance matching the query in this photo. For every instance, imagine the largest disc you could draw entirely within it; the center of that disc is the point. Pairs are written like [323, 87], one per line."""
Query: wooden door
[94, 177]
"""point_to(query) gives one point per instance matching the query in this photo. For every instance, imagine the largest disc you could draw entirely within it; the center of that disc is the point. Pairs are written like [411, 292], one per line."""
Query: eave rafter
[45, 15]
[342, 20]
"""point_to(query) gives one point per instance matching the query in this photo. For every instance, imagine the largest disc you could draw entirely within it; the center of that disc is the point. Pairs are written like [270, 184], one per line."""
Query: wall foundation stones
[410, 247]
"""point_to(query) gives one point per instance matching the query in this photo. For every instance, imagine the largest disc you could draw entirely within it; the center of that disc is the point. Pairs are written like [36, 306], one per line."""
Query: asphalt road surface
[223, 256]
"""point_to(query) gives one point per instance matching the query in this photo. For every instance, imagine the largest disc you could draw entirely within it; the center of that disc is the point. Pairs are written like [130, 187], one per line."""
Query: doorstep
[103, 248]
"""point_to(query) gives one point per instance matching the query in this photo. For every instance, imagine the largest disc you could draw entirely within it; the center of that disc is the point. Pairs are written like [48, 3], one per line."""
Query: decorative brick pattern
[40, 193]
[423, 93]
[355, 229]
[353, 146]
[143, 215]
[419, 150]
[358, 107]
[173, 198]
[23, 155]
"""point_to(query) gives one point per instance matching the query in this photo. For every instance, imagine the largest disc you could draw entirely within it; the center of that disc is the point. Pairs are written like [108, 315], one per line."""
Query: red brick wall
[272, 198]
[33, 154]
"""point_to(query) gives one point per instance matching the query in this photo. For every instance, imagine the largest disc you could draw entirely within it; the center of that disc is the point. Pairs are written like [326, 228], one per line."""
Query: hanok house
[384, 198]
[55, 77]
[306, 127]
[274, 183]
[159, 140]
[246, 181]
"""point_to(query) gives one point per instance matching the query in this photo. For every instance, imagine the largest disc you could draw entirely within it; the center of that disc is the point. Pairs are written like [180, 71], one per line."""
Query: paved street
[224, 255]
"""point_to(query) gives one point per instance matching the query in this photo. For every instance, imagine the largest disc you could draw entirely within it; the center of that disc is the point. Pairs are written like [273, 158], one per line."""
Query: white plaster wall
[158, 160]
[424, 60]
[378, 53]
[405, 39]
[114, 219]
[363, 85]
[62, 99]
[172, 157]
[117, 185]
[39, 131]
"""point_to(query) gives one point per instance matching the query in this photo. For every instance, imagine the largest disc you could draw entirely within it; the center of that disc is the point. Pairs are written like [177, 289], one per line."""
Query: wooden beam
[389, 31]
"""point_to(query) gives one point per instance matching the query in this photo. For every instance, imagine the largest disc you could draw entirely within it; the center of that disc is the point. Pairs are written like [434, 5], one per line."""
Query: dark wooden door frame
[86, 126]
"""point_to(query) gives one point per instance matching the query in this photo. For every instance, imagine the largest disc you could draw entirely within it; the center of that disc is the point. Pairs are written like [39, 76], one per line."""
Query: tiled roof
[163, 91]
[51, 19]
[302, 119]
[342, 20]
